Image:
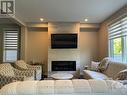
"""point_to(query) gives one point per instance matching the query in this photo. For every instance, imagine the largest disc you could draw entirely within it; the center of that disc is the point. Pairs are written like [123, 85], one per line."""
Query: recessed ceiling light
[85, 19]
[41, 19]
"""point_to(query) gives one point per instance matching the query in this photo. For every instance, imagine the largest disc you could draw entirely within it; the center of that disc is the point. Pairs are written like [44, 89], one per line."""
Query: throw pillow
[103, 65]
[94, 65]
[21, 64]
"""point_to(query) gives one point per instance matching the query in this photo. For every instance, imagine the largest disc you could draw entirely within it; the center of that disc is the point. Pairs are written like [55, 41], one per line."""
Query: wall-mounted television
[63, 41]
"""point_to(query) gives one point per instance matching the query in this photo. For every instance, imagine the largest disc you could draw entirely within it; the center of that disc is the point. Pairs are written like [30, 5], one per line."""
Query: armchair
[9, 74]
[21, 65]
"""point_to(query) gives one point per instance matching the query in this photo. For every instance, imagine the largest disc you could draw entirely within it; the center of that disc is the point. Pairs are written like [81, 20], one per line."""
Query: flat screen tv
[63, 41]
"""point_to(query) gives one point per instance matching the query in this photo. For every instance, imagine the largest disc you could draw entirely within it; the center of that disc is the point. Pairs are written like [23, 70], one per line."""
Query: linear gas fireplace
[63, 65]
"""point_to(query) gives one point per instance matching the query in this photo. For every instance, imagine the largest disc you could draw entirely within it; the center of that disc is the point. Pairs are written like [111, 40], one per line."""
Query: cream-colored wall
[103, 32]
[88, 48]
[1, 44]
[37, 47]
[103, 41]
[34, 43]
[23, 48]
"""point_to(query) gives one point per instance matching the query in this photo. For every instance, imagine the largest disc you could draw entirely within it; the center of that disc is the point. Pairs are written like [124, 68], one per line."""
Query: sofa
[110, 70]
[65, 87]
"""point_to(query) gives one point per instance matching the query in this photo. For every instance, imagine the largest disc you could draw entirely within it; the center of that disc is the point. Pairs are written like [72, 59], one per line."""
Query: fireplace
[63, 65]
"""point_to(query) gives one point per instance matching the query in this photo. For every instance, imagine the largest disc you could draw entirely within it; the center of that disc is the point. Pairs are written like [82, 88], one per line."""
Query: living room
[64, 38]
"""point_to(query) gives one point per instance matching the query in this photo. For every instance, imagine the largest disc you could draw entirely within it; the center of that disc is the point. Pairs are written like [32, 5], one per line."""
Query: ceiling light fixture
[85, 19]
[41, 19]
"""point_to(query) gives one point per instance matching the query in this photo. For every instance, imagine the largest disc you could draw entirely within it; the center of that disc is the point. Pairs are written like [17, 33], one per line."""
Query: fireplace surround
[63, 65]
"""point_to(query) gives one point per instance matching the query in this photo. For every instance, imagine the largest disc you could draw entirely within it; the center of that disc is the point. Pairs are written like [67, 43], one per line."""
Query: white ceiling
[67, 10]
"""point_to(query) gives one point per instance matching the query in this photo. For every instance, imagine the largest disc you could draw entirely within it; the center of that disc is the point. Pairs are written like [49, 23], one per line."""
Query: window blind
[10, 40]
[118, 29]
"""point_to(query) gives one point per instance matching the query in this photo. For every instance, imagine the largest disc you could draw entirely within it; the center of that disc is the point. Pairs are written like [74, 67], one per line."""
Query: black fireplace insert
[63, 65]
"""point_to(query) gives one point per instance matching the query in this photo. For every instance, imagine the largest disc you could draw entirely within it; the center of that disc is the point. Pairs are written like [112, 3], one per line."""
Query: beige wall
[103, 32]
[23, 53]
[37, 47]
[103, 41]
[88, 47]
[1, 44]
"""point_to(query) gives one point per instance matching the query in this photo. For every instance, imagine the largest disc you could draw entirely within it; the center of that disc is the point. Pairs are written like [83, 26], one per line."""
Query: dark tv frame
[63, 43]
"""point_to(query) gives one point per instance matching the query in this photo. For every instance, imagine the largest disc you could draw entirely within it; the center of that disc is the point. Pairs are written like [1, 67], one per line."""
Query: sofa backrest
[114, 68]
[65, 87]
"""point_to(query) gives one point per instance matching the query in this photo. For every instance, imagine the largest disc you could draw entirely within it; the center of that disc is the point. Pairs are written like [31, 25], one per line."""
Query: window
[117, 48]
[117, 36]
[11, 44]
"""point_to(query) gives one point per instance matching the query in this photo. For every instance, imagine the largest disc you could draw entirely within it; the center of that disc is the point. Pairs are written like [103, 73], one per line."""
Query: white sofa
[65, 87]
[111, 72]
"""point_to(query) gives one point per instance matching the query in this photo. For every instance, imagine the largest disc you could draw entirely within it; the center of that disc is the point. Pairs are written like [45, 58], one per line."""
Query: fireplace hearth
[63, 65]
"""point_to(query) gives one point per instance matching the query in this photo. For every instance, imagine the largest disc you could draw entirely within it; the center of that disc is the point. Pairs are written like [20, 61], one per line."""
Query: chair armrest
[8, 79]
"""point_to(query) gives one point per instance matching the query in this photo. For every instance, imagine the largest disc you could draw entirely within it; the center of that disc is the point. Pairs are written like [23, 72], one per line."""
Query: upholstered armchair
[9, 74]
[21, 65]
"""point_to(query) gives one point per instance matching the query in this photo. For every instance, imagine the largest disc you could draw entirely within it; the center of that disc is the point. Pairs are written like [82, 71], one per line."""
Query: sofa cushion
[95, 75]
[99, 86]
[63, 87]
[22, 88]
[45, 87]
[81, 84]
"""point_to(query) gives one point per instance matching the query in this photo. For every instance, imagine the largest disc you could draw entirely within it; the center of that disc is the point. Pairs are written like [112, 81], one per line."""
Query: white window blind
[118, 29]
[10, 46]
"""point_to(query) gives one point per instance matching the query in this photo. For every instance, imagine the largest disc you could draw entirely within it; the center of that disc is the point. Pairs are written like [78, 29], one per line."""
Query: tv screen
[63, 41]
